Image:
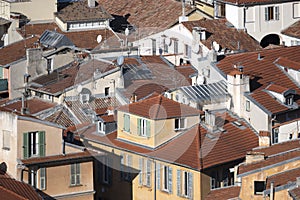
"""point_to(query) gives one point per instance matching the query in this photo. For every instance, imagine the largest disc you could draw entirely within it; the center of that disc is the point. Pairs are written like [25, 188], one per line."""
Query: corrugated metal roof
[54, 39]
[208, 92]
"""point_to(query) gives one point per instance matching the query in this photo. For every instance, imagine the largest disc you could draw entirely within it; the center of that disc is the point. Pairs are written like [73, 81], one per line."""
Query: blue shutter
[190, 182]
[141, 161]
[178, 182]
[170, 181]
[25, 145]
[148, 129]
[266, 14]
[158, 176]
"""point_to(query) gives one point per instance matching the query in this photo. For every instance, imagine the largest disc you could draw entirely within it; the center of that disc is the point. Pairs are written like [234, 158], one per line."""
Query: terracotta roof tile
[295, 193]
[276, 88]
[60, 117]
[293, 30]
[9, 195]
[285, 62]
[228, 37]
[224, 193]
[186, 71]
[247, 2]
[279, 148]
[35, 105]
[80, 12]
[16, 51]
[269, 161]
[283, 178]
[262, 72]
[109, 118]
[146, 14]
[159, 107]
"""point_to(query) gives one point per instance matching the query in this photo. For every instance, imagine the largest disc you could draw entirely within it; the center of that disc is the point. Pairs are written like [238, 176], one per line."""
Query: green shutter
[25, 145]
[148, 129]
[42, 143]
[139, 126]
[178, 182]
[170, 181]
[158, 176]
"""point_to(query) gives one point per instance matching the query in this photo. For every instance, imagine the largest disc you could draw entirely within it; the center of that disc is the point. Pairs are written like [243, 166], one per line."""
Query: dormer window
[101, 127]
[144, 127]
[289, 100]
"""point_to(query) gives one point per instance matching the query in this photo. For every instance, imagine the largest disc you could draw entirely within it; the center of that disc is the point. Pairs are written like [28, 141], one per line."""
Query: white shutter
[190, 185]
[266, 14]
[158, 176]
[276, 12]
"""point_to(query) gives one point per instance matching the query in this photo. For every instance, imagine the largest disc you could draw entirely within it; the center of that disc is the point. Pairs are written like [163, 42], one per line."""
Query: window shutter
[148, 129]
[129, 167]
[122, 166]
[42, 143]
[139, 126]
[266, 14]
[25, 145]
[77, 173]
[42, 178]
[178, 182]
[141, 161]
[148, 173]
[158, 176]
[72, 174]
[190, 182]
[110, 166]
[277, 12]
[170, 180]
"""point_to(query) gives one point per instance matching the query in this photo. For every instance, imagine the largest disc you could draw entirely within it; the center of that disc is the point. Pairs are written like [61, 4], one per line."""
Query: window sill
[6, 148]
[165, 191]
[76, 185]
[180, 129]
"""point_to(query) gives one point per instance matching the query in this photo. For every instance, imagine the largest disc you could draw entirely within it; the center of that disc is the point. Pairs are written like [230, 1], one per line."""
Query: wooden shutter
[141, 166]
[276, 12]
[25, 145]
[42, 143]
[170, 180]
[73, 178]
[266, 14]
[190, 187]
[158, 176]
[178, 182]
[148, 129]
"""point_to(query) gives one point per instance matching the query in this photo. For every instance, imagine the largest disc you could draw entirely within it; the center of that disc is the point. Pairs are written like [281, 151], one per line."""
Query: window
[291, 136]
[42, 178]
[179, 123]
[220, 9]
[259, 187]
[296, 10]
[126, 167]
[187, 51]
[145, 172]
[106, 91]
[75, 174]
[275, 135]
[184, 184]
[6, 139]
[272, 13]
[101, 127]
[289, 100]
[49, 64]
[33, 144]
[247, 106]
[175, 47]
[32, 180]
[212, 183]
[126, 123]
[153, 47]
[143, 127]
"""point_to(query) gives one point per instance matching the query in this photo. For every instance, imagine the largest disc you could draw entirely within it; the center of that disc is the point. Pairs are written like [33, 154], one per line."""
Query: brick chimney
[252, 157]
[264, 138]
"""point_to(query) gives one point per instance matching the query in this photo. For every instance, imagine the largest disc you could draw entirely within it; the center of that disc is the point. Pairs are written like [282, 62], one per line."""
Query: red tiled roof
[17, 188]
[185, 149]
[159, 107]
[147, 14]
[293, 30]
[283, 178]
[263, 72]
[276, 88]
[247, 2]
[228, 37]
[35, 105]
[269, 161]
[224, 193]
[186, 71]
[6, 194]
[80, 12]
[109, 118]
[295, 193]
[285, 62]
[83, 39]
[279, 148]
[60, 117]
[16, 51]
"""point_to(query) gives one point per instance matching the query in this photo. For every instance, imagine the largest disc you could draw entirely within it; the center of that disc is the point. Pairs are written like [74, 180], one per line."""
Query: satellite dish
[168, 41]
[216, 46]
[120, 60]
[99, 38]
[196, 48]
[79, 88]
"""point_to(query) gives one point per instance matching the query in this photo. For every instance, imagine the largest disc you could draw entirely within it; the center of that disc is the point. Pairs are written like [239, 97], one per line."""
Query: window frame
[179, 122]
[247, 105]
[275, 136]
[43, 176]
[106, 91]
[6, 139]
[272, 13]
[255, 188]
[165, 178]
[77, 174]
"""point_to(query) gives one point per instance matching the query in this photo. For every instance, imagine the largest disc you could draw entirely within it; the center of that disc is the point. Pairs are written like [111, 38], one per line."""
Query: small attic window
[289, 100]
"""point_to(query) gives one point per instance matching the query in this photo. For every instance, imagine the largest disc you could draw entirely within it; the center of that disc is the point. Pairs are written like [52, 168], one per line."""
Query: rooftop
[224, 193]
[159, 107]
[285, 62]
[295, 193]
[293, 30]
[79, 11]
[283, 178]
[187, 71]
[253, 2]
[222, 32]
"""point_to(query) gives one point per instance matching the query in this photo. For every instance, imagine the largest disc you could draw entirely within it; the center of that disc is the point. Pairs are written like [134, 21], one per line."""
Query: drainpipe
[245, 19]
[272, 191]
[154, 179]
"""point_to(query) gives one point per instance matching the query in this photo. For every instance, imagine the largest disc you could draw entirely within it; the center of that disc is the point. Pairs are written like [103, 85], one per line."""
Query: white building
[263, 20]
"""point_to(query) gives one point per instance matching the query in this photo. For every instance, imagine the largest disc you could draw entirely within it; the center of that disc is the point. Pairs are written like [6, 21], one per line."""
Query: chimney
[252, 157]
[110, 110]
[210, 121]
[264, 139]
[91, 3]
[203, 34]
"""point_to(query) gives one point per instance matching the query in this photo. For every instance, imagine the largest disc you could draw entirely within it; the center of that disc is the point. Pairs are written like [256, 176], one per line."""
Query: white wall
[292, 128]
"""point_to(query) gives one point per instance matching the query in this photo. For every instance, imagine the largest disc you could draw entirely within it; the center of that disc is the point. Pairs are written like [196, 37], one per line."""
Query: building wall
[61, 24]
[16, 79]
[36, 10]
[289, 131]
[247, 182]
